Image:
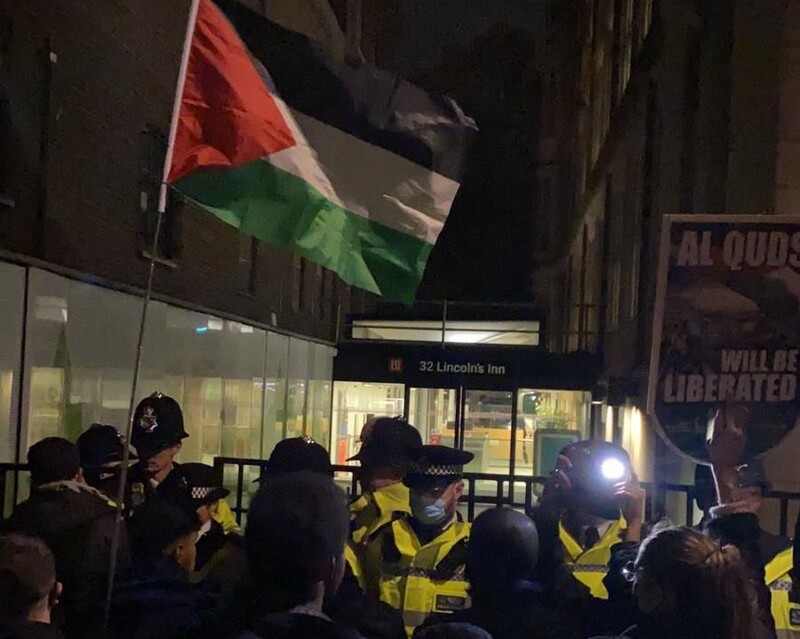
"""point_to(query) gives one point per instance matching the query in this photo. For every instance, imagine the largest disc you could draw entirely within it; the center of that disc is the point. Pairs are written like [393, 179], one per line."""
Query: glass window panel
[566, 411]
[275, 392]
[215, 369]
[80, 359]
[319, 395]
[12, 300]
[487, 431]
[79, 356]
[297, 388]
[519, 332]
[433, 412]
[354, 403]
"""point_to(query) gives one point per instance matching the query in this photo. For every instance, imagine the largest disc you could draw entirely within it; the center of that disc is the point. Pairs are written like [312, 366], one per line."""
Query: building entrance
[510, 432]
[486, 386]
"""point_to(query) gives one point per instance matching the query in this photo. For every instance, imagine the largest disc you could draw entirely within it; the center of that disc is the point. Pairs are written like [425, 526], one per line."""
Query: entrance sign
[726, 328]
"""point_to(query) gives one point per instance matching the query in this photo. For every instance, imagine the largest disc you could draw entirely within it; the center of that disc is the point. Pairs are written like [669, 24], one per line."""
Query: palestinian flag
[350, 167]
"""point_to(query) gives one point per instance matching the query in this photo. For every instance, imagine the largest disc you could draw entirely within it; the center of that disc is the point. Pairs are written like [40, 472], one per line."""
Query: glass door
[434, 412]
[487, 430]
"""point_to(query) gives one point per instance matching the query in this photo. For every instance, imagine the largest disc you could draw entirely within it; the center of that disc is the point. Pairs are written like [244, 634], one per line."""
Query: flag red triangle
[227, 116]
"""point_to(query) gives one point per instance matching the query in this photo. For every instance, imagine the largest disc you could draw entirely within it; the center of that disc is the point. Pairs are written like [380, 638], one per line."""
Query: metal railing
[481, 490]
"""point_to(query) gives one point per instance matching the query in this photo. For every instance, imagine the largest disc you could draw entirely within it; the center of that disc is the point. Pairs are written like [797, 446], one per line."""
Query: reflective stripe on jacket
[777, 574]
[590, 566]
[422, 579]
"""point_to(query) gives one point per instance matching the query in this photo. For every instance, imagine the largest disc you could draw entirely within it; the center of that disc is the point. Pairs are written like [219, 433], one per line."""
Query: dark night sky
[432, 25]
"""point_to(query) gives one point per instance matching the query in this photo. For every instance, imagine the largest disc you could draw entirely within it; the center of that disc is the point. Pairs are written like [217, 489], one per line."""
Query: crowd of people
[168, 560]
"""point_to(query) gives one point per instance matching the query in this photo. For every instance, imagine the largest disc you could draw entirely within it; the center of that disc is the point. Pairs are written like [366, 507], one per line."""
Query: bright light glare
[612, 469]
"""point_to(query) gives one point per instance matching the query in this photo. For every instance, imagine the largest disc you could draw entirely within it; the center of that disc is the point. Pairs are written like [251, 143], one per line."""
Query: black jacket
[77, 523]
[156, 601]
[535, 617]
[28, 630]
[289, 625]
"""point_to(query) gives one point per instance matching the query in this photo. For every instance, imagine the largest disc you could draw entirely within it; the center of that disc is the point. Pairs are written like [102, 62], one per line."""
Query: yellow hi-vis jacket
[422, 579]
[225, 517]
[369, 514]
[374, 510]
[777, 574]
[590, 566]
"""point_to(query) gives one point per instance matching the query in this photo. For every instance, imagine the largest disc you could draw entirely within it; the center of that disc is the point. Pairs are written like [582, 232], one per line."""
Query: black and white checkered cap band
[436, 470]
[201, 492]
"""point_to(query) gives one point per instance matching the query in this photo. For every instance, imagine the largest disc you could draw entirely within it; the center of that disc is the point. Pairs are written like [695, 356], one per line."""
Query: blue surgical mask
[428, 513]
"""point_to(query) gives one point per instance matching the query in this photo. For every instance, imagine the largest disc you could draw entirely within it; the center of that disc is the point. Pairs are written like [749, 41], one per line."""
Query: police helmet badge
[147, 421]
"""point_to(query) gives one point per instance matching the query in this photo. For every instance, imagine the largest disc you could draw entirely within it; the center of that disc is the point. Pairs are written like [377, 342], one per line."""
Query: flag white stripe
[366, 180]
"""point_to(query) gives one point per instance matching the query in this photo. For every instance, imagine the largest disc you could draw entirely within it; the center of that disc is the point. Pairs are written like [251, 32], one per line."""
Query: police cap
[437, 463]
[157, 424]
[597, 467]
[388, 440]
[597, 464]
[205, 483]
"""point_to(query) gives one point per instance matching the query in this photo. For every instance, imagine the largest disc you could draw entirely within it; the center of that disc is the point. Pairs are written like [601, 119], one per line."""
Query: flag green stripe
[280, 208]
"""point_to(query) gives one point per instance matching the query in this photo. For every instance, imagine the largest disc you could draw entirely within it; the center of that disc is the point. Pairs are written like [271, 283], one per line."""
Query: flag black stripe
[365, 102]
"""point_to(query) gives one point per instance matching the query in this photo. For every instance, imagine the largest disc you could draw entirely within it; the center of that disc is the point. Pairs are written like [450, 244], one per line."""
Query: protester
[433, 540]
[155, 599]
[689, 587]
[77, 523]
[767, 558]
[101, 449]
[28, 589]
[157, 435]
[297, 454]
[508, 599]
[348, 606]
[296, 532]
[595, 497]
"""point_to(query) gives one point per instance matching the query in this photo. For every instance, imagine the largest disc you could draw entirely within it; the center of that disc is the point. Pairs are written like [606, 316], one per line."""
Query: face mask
[428, 514]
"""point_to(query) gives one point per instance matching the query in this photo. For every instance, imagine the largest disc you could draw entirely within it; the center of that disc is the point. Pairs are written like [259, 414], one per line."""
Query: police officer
[157, 436]
[596, 497]
[422, 555]
[205, 483]
[388, 447]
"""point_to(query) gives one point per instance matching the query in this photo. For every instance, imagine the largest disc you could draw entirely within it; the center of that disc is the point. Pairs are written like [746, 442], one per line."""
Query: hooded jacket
[77, 523]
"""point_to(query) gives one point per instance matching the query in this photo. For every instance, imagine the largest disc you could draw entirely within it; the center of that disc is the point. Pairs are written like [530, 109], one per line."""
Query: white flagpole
[162, 206]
